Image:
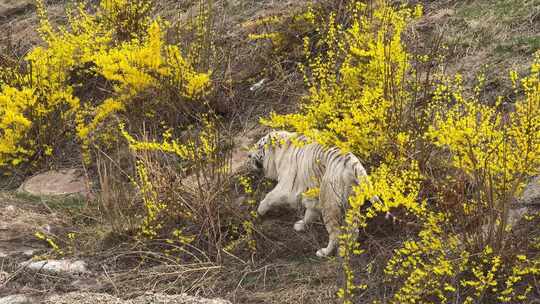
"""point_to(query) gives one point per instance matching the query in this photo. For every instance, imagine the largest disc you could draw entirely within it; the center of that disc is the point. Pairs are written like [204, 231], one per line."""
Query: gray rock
[175, 299]
[83, 298]
[30, 252]
[57, 266]
[531, 194]
[515, 215]
[57, 183]
[15, 299]
[99, 298]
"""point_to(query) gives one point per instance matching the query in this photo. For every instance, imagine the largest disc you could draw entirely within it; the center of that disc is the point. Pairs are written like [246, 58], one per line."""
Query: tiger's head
[258, 153]
[263, 155]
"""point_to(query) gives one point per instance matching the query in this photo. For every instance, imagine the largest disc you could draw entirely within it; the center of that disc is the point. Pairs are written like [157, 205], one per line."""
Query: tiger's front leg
[274, 198]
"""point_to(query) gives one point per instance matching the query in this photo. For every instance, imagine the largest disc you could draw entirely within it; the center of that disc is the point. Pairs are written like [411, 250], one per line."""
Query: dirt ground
[295, 274]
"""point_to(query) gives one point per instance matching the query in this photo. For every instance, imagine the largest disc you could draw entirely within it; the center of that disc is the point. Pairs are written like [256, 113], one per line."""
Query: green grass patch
[71, 202]
[527, 45]
[506, 11]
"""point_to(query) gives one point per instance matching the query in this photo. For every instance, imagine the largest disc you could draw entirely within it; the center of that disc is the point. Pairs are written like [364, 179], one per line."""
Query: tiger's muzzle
[255, 162]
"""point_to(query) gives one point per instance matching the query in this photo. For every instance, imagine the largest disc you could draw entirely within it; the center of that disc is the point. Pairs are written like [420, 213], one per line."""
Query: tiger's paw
[263, 208]
[300, 226]
[323, 253]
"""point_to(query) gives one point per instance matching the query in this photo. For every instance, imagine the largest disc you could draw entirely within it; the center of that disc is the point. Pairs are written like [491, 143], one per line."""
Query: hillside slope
[491, 37]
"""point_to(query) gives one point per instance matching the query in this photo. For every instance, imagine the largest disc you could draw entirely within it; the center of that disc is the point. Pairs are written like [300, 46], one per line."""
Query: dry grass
[18, 22]
[484, 36]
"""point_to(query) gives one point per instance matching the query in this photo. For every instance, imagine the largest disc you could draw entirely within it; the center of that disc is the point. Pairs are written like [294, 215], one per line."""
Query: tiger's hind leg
[333, 229]
[332, 217]
[311, 215]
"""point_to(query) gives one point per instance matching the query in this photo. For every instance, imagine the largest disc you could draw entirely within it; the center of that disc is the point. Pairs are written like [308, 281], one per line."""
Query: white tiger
[300, 167]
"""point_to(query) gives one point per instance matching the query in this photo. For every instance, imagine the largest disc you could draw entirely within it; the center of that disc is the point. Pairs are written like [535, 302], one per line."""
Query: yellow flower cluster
[182, 237]
[275, 38]
[204, 148]
[129, 17]
[312, 193]
[487, 141]
[197, 154]
[150, 225]
[248, 224]
[349, 96]
[49, 241]
[427, 265]
[14, 124]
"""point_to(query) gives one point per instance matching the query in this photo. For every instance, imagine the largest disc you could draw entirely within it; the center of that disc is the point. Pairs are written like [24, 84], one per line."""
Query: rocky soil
[28, 275]
[28, 271]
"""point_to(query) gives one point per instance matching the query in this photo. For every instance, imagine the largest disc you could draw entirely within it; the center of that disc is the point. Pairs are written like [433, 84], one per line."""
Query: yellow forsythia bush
[14, 124]
[60, 91]
[497, 149]
[360, 99]
[350, 104]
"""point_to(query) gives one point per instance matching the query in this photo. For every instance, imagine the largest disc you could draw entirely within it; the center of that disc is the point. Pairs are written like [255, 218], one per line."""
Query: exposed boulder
[530, 197]
[175, 299]
[531, 194]
[99, 298]
[56, 183]
[515, 215]
[16, 299]
[57, 266]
